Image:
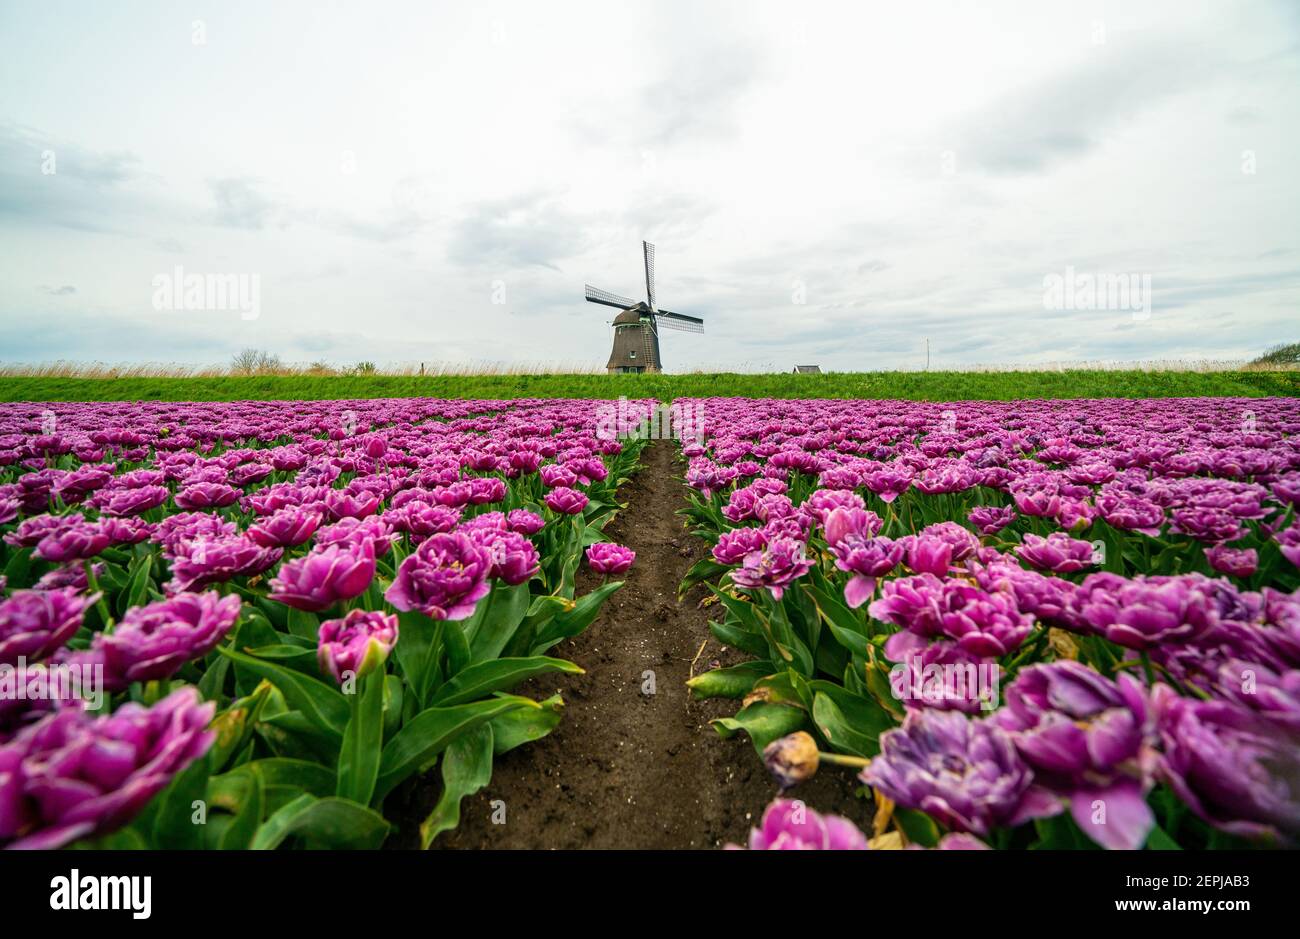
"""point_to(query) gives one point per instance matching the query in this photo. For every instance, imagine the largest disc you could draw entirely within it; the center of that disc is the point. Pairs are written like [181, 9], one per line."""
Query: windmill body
[636, 328]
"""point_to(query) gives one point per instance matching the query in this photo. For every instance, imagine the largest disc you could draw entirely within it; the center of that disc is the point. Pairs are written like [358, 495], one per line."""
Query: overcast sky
[827, 183]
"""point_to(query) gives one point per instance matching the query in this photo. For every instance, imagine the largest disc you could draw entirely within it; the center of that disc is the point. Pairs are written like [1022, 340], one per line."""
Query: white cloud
[912, 171]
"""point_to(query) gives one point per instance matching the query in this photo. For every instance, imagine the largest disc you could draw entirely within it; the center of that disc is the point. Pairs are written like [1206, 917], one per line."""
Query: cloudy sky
[826, 182]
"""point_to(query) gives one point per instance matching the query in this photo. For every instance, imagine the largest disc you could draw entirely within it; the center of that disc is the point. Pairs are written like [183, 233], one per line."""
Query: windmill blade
[596, 295]
[669, 314]
[649, 250]
[685, 324]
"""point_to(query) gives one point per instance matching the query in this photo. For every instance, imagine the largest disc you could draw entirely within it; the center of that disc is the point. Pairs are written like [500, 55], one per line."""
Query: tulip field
[1031, 624]
[246, 625]
[1039, 624]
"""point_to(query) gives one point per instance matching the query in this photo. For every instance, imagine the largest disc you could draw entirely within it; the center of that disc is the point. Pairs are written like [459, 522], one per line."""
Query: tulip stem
[839, 759]
[92, 584]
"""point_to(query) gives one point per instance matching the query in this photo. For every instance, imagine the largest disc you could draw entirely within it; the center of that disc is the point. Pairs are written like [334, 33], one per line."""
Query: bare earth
[626, 769]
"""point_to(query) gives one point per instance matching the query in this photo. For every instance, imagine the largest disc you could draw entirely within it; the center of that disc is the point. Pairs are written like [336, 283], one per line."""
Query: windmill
[636, 329]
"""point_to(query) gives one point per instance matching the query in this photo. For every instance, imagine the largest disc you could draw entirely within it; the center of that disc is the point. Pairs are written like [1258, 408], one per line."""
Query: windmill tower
[636, 329]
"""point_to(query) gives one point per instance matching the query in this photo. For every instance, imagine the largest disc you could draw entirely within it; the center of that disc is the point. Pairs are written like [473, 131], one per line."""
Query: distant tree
[321, 367]
[1286, 353]
[365, 368]
[254, 362]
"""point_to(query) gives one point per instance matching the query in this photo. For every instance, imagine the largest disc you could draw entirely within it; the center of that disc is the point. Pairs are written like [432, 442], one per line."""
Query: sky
[828, 183]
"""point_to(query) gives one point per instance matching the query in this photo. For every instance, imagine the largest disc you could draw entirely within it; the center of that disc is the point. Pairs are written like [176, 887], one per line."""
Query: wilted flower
[789, 825]
[964, 773]
[605, 557]
[73, 775]
[325, 576]
[444, 578]
[358, 643]
[792, 759]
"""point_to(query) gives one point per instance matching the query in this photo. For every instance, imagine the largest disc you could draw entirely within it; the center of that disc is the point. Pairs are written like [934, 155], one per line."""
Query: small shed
[807, 370]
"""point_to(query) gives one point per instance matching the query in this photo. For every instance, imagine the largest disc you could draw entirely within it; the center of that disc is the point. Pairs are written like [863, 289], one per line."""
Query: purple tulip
[352, 533]
[203, 562]
[1288, 541]
[964, 773]
[206, 496]
[76, 542]
[782, 561]
[152, 642]
[73, 776]
[340, 504]
[420, 519]
[866, 559]
[444, 578]
[735, 546]
[1236, 771]
[566, 501]
[358, 643]
[35, 623]
[1058, 552]
[325, 576]
[123, 502]
[1236, 562]
[842, 522]
[514, 559]
[1089, 739]
[1145, 612]
[789, 825]
[991, 519]
[287, 528]
[525, 522]
[611, 559]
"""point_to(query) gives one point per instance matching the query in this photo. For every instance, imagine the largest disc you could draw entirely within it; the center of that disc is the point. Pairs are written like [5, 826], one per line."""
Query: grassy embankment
[920, 386]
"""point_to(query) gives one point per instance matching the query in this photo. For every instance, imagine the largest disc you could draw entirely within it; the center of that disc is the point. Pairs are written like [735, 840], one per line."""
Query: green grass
[919, 386]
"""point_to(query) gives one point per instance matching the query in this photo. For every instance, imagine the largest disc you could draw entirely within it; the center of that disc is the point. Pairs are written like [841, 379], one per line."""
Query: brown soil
[626, 769]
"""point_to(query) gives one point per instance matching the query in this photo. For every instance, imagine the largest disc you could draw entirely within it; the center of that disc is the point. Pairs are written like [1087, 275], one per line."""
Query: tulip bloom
[35, 623]
[611, 559]
[73, 775]
[444, 578]
[358, 643]
[153, 642]
[325, 576]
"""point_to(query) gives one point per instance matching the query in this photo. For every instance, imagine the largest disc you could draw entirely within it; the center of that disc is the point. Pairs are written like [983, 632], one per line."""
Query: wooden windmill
[636, 329]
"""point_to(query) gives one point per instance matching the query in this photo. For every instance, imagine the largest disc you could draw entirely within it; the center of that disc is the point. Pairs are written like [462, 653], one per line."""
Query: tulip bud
[791, 759]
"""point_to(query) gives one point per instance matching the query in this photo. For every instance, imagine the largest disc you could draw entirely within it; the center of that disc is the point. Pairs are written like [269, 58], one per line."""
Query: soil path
[626, 769]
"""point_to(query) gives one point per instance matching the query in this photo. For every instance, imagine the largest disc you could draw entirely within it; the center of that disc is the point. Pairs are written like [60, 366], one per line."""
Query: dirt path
[626, 769]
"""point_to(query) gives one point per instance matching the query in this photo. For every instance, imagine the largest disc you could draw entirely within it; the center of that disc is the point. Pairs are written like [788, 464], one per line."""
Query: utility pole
[927, 353]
